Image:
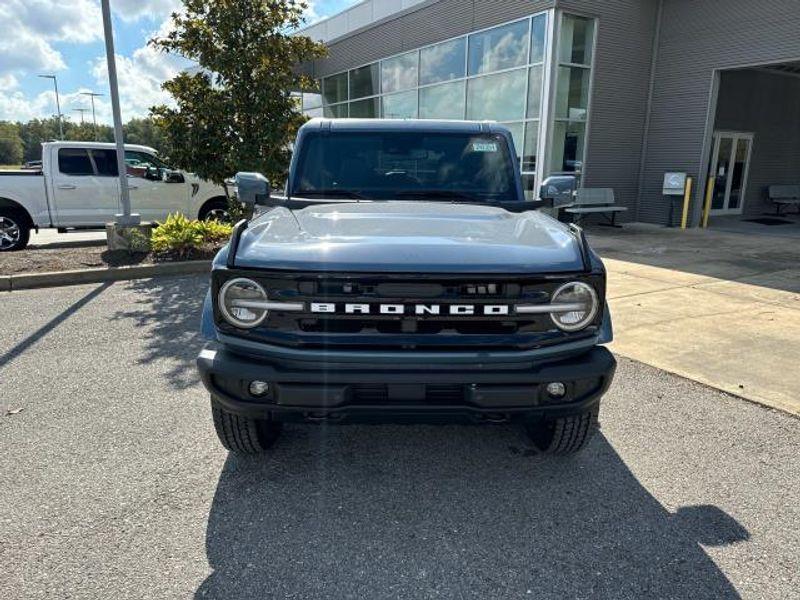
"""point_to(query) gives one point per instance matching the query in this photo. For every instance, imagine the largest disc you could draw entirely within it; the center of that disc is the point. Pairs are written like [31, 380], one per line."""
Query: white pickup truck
[78, 188]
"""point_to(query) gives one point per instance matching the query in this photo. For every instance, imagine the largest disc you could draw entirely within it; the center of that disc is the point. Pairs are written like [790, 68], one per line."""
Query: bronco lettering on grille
[410, 309]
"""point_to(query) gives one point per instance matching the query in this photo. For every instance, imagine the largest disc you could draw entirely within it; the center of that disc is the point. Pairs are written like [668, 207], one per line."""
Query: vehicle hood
[408, 237]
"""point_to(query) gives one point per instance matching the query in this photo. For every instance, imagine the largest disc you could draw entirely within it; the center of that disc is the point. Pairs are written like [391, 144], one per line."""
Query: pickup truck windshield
[382, 165]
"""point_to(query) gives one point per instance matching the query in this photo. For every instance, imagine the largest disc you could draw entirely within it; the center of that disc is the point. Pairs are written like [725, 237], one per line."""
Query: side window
[106, 162]
[74, 161]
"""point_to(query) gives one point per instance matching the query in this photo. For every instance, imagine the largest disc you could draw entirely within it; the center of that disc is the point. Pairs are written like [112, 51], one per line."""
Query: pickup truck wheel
[216, 210]
[243, 435]
[14, 230]
[564, 435]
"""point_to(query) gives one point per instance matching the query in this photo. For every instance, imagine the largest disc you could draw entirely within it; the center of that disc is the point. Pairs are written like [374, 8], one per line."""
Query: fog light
[259, 388]
[556, 389]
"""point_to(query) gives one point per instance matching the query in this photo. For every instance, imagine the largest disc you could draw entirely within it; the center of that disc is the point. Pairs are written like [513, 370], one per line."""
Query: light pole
[80, 110]
[93, 95]
[58, 104]
[126, 219]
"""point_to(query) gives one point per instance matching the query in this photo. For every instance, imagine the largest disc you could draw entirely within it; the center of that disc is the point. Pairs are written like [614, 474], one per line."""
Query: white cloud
[156, 10]
[31, 26]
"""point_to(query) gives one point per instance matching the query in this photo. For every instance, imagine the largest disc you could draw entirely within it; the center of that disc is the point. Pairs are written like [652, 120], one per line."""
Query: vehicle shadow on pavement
[167, 313]
[415, 512]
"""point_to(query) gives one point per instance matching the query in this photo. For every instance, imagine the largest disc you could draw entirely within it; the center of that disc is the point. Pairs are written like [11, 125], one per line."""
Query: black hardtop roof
[405, 125]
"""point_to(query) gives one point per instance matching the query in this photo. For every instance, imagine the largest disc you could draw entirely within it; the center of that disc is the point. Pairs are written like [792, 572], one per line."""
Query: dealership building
[619, 92]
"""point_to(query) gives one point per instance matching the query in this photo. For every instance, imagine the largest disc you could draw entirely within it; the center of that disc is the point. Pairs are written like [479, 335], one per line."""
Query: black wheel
[243, 435]
[564, 435]
[14, 230]
[215, 210]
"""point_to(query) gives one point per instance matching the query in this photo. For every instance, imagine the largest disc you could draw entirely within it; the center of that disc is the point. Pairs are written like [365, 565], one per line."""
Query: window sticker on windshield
[484, 147]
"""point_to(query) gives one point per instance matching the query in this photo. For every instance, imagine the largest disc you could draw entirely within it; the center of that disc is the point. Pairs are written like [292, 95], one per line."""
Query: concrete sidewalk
[719, 308]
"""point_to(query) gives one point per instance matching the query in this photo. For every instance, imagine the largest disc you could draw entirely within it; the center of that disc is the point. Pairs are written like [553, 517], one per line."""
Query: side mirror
[559, 189]
[174, 177]
[251, 188]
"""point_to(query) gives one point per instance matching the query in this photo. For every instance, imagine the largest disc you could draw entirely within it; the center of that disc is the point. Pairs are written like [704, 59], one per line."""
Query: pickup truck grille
[371, 311]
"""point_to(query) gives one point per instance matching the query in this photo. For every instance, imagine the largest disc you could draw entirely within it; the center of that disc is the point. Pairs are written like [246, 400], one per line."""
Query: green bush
[178, 235]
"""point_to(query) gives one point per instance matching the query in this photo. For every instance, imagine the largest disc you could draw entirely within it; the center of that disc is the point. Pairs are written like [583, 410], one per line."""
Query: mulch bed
[46, 260]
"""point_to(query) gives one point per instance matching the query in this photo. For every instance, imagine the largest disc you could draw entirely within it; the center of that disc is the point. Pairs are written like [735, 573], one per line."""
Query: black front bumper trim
[333, 394]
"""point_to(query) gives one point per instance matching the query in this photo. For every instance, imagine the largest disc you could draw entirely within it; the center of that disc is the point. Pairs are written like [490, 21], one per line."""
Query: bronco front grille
[372, 311]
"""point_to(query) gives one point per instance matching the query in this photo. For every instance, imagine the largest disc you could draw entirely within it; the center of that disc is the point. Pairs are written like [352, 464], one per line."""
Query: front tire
[244, 435]
[215, 210]
[564, 435]
[15, 231]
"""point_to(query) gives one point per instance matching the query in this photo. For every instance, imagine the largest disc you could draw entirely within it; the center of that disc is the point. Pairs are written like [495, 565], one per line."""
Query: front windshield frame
[505, 170]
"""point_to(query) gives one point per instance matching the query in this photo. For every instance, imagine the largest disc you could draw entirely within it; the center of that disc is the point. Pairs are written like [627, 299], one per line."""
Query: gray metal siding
[698, 36]
[422, 25]
[619, 95]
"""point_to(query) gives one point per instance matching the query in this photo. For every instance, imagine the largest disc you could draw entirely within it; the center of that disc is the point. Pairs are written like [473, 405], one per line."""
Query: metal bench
[595, 201]
[783, 195]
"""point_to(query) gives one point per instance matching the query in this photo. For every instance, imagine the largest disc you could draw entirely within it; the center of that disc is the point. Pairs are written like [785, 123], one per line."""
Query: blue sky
[65, 37]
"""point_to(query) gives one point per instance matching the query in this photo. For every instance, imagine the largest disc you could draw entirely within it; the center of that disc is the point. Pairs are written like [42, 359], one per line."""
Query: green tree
[236, 112]
[145, 132]
[10, 144]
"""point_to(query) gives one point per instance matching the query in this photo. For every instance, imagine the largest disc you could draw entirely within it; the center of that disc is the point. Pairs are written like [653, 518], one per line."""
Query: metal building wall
[622, 67]
[698, 36]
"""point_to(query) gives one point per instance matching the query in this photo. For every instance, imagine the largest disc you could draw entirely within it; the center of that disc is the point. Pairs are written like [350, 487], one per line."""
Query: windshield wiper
[330, 193]
[443, 194]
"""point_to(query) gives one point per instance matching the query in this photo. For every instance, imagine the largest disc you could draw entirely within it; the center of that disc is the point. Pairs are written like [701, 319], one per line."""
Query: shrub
[178, 235]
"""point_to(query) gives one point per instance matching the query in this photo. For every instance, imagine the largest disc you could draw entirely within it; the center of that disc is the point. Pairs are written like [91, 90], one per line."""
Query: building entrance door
[730, 166]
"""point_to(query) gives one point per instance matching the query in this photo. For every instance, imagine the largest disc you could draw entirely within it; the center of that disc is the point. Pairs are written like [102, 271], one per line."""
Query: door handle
[133, 187]
[66, 186]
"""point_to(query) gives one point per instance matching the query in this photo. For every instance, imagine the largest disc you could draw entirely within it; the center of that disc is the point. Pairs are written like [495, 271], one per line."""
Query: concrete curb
[29, 281]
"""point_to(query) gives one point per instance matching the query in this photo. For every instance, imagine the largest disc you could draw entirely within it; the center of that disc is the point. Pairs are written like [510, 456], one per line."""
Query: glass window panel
[535, 92]
[568, 144]
[572, 93]
[445, 101]
[337, 111]
[516, 135]
[499, 97]
[499, 48]
[531, 150]
[365, 109]
[400, 106]
[577, 37]
[312, 100]
[364, 81]
[538, 38]
[399, 73]
[442, 62]
[334, 88]
[529, 187]
[313, 112]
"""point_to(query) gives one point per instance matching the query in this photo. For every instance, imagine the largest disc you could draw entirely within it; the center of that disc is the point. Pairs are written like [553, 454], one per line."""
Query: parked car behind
[77, 186]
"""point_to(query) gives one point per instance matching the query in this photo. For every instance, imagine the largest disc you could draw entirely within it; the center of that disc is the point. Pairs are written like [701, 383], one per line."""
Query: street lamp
[126, 219]
[80, 110]
[58, 103]
[93, 95]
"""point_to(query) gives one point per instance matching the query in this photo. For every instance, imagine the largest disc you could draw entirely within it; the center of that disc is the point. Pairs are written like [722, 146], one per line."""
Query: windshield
[379, 165]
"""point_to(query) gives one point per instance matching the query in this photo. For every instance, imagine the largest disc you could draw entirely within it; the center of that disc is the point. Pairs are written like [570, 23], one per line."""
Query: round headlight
[579, 302]
[239, 301]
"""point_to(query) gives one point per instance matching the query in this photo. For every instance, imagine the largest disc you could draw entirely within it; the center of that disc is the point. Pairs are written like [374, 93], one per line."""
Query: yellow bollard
[709, 196]
[687, 197]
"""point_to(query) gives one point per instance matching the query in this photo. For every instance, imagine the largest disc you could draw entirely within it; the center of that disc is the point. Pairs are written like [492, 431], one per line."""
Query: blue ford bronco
[403, 277]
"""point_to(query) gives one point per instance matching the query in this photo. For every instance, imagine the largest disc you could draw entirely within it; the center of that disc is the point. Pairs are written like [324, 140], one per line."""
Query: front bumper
[377, 391]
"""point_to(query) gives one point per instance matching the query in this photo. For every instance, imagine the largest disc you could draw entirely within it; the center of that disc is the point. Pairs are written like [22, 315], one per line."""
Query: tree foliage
[236, 112]
[36, 131]
[10, 144]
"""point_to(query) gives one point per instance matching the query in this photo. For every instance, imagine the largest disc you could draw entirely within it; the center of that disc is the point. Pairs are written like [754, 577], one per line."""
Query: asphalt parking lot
[113, 485]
